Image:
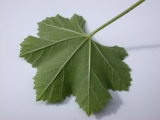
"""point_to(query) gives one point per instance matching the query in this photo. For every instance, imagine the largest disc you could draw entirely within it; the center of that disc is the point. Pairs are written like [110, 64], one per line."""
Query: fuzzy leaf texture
[69, 62]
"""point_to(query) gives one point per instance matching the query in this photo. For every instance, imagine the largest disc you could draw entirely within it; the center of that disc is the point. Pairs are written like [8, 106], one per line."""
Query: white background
[138, 32]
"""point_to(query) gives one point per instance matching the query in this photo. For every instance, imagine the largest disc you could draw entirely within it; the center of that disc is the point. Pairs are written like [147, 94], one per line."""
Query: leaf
[70, 62]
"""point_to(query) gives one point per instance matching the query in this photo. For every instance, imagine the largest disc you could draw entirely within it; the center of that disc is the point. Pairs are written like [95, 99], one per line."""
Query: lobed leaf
[70, 62]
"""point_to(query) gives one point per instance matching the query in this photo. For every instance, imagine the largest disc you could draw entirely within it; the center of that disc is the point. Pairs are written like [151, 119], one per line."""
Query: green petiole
[115, 18]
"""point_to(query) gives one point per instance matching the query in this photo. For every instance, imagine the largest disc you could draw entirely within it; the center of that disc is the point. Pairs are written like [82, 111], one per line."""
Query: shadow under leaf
[142, 47]
[111, 107]
[66, 101]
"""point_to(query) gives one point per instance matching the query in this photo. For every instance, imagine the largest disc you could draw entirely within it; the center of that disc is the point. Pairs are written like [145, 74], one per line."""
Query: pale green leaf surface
[69, 62]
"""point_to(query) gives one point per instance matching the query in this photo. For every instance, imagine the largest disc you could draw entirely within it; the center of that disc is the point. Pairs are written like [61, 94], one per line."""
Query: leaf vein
[99, 81]
[64, 29]
[60, 21]
[51, 21]
[118, 64]
[78, 25]
[97, 97]
[49, 45]
[107, 61]
[51, 93]
[38, 57]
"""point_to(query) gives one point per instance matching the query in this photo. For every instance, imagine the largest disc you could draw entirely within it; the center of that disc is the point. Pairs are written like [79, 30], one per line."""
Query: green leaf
[70, 62]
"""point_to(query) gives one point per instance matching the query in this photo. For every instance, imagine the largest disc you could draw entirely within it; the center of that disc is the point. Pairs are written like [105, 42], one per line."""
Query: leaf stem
[115, 18]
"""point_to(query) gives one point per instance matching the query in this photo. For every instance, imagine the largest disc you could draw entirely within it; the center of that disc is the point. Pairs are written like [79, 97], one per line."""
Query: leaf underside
[69, 62]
